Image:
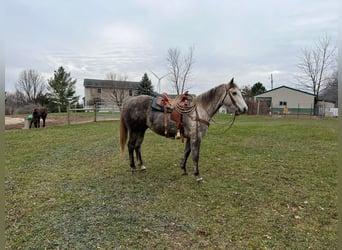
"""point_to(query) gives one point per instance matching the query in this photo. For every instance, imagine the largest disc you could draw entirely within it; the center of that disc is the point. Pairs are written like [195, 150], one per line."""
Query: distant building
[286, 100]
[101, 92]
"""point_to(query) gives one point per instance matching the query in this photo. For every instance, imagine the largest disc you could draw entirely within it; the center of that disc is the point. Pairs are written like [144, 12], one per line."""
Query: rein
[222, 102]
[187, 110]
[231, 122]
[197, 119]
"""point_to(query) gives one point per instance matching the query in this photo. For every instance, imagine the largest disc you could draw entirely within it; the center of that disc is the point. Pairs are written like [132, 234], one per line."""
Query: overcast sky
[248, 40]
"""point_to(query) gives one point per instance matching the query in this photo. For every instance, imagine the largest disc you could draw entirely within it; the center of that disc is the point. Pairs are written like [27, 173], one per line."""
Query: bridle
[230, 96]
[232, 99]
[196, 118]
[236, 113]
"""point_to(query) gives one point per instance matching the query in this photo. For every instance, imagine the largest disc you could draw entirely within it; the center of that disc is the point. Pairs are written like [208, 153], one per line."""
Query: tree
[31, 84]
[13, 101]
[62, 89]
[145, 87]
[179, 68]
[315, 65]
[330, 92]
[116, 95]
[257, 89]
[246, 92]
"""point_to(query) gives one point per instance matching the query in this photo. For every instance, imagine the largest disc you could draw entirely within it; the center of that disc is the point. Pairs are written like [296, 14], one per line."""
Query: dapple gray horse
[137, 116]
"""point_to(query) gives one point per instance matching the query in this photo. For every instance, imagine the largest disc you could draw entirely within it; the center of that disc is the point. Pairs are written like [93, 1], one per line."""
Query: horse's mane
[206, 98]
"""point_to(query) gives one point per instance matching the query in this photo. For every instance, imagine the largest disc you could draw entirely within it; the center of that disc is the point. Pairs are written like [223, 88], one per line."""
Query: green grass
[270, 184]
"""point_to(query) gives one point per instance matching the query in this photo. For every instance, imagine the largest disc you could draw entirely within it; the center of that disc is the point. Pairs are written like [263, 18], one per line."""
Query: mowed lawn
[270, 183]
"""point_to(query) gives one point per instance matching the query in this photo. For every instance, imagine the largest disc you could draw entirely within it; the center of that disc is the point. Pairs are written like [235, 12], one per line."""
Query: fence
[298, 111]
[96, 113]
[264, 108]
[107, 112]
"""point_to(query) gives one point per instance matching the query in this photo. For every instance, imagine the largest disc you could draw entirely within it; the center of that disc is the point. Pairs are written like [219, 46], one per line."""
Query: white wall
[293, 98]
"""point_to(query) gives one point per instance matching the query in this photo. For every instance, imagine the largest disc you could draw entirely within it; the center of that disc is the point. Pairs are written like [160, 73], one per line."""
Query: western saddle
[179, 106]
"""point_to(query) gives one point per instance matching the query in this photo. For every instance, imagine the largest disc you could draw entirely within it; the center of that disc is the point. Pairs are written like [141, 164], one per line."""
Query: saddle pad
[157, 107]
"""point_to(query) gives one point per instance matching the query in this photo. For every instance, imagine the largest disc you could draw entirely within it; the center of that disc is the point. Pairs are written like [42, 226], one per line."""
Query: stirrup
[178, 135]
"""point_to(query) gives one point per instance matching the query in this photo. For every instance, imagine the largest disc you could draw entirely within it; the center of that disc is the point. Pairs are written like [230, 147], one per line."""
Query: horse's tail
[123, 133]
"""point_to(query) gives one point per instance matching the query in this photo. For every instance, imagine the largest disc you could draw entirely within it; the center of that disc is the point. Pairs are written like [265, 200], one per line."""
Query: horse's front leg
[195, 149]
[187, 151]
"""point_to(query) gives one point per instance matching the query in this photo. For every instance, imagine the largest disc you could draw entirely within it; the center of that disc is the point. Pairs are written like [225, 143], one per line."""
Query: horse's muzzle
[239, 112]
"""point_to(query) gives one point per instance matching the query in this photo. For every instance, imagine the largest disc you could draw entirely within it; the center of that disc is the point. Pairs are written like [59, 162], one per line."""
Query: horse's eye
[234, 93]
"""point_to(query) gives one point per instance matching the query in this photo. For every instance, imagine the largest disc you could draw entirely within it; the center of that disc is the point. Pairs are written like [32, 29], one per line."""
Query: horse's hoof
[143, 168]
[200, 180]
[134, 170]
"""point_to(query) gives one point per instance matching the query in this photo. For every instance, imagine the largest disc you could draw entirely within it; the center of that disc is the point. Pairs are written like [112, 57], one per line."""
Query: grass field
[271, 183]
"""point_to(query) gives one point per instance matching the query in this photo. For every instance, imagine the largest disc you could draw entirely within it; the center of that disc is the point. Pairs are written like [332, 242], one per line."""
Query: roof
[301, 91]
[98, 83]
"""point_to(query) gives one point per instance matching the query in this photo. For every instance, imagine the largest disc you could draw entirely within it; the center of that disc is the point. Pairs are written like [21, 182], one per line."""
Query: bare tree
[31, 84]
[315, 65]
[116, 95]
[13, 101]
[179, 68]
[114, 77]
[246, 92]
[330, 92]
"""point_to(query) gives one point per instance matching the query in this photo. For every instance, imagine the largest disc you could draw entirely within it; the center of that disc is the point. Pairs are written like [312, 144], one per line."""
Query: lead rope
[234, 117]
[231, 122]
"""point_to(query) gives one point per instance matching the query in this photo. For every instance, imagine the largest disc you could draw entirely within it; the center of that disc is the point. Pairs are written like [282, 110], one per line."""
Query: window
[99, 90]
[130, 92]
[282, 103]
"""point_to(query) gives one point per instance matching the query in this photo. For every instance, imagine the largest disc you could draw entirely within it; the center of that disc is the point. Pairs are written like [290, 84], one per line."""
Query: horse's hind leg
[131, 146]
[187, 151]
[43, 121]
[138, 150]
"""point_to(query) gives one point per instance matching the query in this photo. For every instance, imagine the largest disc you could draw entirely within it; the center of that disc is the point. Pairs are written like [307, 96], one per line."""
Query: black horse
[40, 112]
[137, 115]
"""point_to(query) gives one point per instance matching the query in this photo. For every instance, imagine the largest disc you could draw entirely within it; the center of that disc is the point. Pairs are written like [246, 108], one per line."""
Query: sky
[247, 40]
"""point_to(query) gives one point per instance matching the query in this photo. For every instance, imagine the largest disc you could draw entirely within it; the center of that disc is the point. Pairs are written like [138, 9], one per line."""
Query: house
[107, 92]
[326, 108]
[286, 100]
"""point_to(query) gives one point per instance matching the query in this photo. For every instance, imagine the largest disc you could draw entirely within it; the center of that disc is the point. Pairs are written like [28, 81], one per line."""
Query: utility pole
[271, 81]
[159, 78]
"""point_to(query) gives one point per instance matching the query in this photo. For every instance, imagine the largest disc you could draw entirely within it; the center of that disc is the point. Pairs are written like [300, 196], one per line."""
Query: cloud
[126, 33]
[314, 21]
[231, 38]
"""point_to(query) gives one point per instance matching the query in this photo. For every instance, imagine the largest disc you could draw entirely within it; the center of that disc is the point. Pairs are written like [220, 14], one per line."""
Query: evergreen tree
[258, 88]
[62, 89]
[145, 87]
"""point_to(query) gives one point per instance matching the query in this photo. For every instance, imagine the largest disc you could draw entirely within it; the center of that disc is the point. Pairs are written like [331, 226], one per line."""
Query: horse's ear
[231, 83]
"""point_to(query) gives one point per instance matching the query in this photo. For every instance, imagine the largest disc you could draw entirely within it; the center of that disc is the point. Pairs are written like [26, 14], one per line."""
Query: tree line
[317, 74]
[31, 90]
